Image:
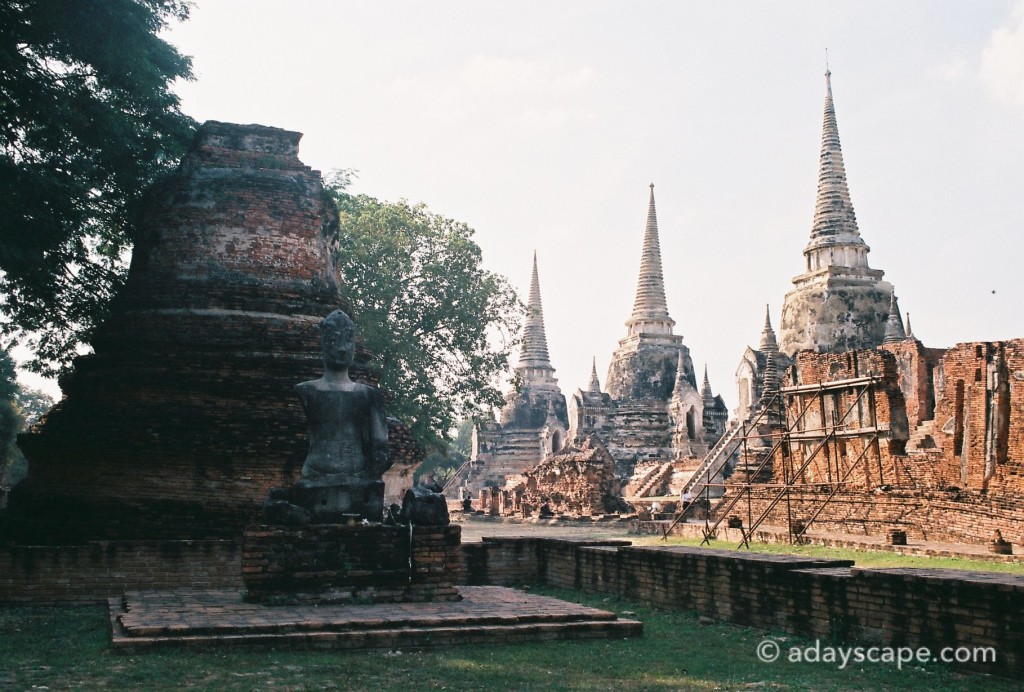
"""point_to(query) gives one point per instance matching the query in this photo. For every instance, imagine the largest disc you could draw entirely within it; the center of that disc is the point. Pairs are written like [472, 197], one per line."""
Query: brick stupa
[184, 416]
[839, 303]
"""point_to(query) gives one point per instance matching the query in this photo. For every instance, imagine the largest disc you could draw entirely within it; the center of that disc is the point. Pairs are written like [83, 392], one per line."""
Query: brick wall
[968, 481]
[979, 415]
[186, 408]
[338, 564]
[93, 572]
[810, 597]
[814, 598]
[954, 516]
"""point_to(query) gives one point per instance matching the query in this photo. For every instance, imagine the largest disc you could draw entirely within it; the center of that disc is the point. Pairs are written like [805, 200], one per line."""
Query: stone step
[920, 440]
[487, 614]
[659, 476]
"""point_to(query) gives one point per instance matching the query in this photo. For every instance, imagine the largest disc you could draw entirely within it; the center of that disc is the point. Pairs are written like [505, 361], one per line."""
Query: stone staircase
[746, 470]
[716, 459]
[656, 479]
[921, 440]
[204, 620]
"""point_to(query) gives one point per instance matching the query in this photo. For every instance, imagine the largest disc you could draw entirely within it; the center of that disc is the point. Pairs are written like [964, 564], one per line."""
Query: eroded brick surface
[184, 417]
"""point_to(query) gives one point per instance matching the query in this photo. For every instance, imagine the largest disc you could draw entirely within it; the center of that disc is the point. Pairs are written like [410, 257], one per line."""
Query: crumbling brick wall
[979, 416]
[963, 488]
[578, 480]
[853, 413]
[185, 415]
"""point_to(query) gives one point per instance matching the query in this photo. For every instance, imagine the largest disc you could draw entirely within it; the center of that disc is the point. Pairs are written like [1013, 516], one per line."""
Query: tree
[87, 122]
[463, 443]
[441, 467]
[32, 404]
[440, 325]
[10, 419]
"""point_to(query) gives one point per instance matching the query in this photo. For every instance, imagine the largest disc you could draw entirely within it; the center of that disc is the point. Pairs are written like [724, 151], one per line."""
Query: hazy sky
[540, 124]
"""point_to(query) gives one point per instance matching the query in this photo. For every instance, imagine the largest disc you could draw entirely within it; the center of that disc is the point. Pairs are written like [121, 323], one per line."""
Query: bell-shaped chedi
[184, 417]
[644, 365]
[839, 303]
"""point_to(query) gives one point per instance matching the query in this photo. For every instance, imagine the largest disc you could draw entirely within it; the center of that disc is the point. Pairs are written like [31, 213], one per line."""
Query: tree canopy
[32, 404]
[10, 418]
[440, 325]
[87, 121]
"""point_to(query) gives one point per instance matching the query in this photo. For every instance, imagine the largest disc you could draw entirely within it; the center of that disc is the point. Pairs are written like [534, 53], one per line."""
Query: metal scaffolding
[783, 420]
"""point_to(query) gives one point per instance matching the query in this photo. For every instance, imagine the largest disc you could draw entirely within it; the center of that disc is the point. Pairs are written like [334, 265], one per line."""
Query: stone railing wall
[815, 598]
[96, 571]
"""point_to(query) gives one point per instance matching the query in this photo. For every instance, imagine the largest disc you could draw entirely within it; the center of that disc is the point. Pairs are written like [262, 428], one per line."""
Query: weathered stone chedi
[185, 415]
[839, 303]
[651, 409]
[533, 421]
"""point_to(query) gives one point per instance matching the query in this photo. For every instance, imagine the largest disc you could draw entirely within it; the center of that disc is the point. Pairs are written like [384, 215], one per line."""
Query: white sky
[540, 124]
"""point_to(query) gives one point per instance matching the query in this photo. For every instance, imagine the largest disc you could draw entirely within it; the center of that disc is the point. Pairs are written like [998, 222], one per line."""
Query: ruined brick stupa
[644, 365]
[184, 416]
[839, 303]
[532, 423]
[651, 410]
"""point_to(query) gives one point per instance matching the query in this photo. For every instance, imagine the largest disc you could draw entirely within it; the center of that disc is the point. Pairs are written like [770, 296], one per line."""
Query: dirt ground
[473, 530]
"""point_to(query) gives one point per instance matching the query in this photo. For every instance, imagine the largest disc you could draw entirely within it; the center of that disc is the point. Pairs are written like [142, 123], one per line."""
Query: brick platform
[144, 620]
[331, 563]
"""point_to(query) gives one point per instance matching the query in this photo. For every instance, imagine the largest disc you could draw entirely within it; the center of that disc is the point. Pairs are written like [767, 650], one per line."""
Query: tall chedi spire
[534, 364]
[647, 362]
[534, 353]
[594, 387]
[835, 224]
[534, 420]
[650, 311]
[894, 331]
[839, 303]
[768, 341]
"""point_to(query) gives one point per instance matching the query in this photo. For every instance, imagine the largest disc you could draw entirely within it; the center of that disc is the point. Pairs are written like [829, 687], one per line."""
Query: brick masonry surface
[337, 564]
[203, 619]
[95, 571]
[948, 462]
[804, 596]
[815, 598]
[184, 417]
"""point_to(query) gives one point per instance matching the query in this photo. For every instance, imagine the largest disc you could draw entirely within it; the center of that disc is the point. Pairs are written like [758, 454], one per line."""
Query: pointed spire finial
[894, 326]
[534, 353]
[835, 223]
[650, 310]
[768, 340]
[910, 332]
[595, 384]
[682, 383]
[705, 388]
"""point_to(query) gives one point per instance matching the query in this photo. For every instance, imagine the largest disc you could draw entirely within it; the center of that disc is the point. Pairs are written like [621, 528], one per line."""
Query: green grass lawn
[862, 558]
[62, 648]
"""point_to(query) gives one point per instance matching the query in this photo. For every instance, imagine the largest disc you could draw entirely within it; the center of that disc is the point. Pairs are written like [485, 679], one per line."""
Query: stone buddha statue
[348, 435]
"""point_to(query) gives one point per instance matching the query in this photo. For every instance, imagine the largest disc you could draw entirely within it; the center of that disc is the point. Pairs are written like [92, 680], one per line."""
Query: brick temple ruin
[844, 419]
[651, 413]
[652, 421]
[851, 423]
[216, 312]
[184, 416]
[533, 422]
